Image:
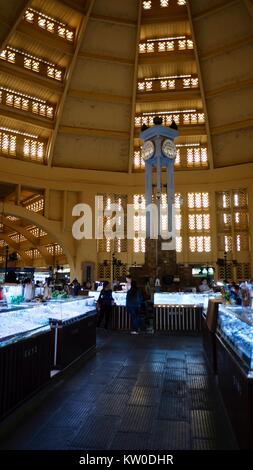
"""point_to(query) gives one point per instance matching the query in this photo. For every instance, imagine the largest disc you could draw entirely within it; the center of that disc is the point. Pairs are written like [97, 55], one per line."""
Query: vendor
[204, 287]
[28, 291]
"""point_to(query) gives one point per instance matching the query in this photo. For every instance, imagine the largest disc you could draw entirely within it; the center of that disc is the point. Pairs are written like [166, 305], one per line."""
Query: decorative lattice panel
[104, 272]
[243, 271]
[239, 198]
[224, 222]
[225, 275]
[114, 245]
[225, 242]
[242, 241]
[241, 220]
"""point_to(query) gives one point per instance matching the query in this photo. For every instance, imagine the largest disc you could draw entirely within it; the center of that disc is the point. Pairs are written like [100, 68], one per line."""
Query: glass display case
[24, 357]
[73, 327]
[35, 340]
[12, 292]
[180, 311]
[177, 311]
[234, 346]
[235, 327]
[177, 298]
[63, 311]
[72, 323]
[17, 324]
[182, 298]
[119, 297]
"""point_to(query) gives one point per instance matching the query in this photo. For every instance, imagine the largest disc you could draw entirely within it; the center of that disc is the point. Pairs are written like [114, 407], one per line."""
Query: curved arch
[53, 228]
[16, 247]
[33, 240]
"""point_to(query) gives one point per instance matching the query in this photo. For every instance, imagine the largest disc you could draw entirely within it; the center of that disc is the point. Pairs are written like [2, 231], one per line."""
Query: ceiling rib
[91, 132]
[23, 5]
[134, 90]
[213, 10]
[201, 86]
[81, 34]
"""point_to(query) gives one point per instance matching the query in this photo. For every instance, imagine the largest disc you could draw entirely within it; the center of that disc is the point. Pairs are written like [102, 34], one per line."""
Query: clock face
[169, 149]
[147, 150]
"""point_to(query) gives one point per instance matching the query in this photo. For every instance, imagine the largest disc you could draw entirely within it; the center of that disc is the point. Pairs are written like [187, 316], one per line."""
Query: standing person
[104, 304]
[47, 290]
[133, 305]
[76, 287]
[28, 291]
[128, 282]
[157, 284]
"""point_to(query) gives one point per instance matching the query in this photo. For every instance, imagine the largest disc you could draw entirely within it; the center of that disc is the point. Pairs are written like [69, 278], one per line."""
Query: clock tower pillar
[159, 152]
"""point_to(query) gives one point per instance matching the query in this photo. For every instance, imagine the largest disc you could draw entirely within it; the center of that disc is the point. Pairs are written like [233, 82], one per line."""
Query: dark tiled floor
[145, 392]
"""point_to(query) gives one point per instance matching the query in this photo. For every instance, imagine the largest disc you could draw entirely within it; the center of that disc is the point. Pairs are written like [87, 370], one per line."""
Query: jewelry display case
[234, 344]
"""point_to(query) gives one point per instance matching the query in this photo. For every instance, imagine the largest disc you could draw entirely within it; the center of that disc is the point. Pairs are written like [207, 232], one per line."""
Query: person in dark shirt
[76, 287]
[133, 304]
[104, 304]
[235, 295]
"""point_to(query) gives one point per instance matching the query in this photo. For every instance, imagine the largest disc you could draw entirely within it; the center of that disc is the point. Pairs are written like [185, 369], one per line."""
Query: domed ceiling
[79, 78]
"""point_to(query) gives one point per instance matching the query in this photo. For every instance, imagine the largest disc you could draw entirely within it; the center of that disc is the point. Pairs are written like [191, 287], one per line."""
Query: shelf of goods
[35, 340]
[234, 344]
[179, 311]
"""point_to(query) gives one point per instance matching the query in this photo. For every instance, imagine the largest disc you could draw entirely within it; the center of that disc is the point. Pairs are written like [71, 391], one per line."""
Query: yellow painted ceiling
[96, 104]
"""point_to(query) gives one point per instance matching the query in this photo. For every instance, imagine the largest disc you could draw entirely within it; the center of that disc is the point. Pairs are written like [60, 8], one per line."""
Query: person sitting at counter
[104, 304]
[204, 287]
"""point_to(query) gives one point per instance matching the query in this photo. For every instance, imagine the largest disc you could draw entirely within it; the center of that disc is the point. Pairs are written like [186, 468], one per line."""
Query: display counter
[179, 311]
[35, 340]
[234, 343]
[172, 311]
[209, 325]
[24, 358]
[73, 327]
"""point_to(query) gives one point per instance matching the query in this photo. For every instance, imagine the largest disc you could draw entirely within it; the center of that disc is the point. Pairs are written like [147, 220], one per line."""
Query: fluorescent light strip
[170, 112]
[32, 57]
[18, 132]
[170, 76]
[47, 17]
[167, 39]
[22, 94]
[188, 145]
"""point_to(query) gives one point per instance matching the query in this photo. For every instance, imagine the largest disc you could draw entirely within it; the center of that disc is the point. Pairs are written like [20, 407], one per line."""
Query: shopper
[104, 305]
[128, 282]
[133, 305]
[76, 287]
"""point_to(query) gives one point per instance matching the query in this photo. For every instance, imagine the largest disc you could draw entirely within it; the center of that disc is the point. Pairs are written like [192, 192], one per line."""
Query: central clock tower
[159, 151]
